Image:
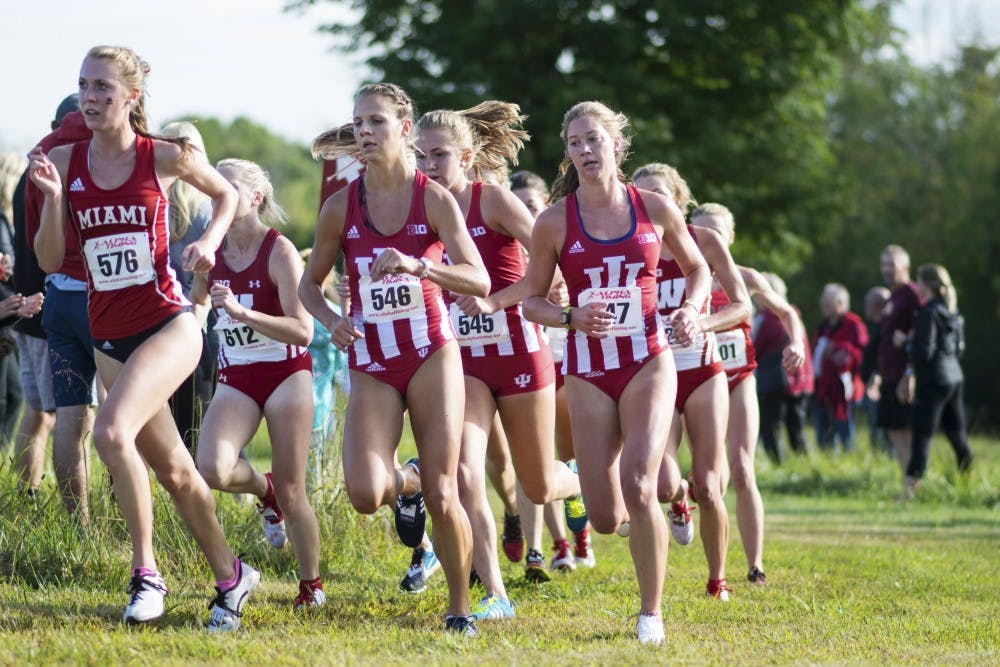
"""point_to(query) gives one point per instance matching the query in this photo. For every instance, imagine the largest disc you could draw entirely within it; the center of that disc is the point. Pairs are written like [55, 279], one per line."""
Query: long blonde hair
[938, 281]
[613, 122]
[491, 130]
[133, 71]
[12, 165]
[185, 199]
[339, 141]
[258, 180]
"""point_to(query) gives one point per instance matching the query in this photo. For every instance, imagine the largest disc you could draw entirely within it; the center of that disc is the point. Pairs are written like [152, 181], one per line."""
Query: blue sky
[227, 58]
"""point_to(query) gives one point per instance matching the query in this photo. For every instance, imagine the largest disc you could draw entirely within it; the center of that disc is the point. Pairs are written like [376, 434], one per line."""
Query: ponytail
[491, 130]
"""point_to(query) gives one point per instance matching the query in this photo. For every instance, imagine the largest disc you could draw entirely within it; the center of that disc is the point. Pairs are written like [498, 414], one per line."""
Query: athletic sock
[229, 583]
[144, 572]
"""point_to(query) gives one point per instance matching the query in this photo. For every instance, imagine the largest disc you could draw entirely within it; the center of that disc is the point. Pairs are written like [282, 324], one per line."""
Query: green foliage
[294, 173]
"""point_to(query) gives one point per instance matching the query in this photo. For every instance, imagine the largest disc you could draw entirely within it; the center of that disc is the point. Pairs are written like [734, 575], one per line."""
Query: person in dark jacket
[875, 300]
[935, 348]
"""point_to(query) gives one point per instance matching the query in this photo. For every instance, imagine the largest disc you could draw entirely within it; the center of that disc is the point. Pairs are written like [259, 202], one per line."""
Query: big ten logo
[416, 230]
[670, 293]
[612, 269]
[476, 232]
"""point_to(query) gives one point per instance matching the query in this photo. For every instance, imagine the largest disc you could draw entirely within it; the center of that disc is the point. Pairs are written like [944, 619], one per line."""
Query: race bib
[119, 261]
[394, 297]
[732, 349]
[479, 329]
[239, 336]
[625, 303]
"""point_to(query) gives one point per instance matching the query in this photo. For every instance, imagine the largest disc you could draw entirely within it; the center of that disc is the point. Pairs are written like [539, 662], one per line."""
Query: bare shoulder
[284, 257]
[754, 280]
[59, 156]
[439, 204]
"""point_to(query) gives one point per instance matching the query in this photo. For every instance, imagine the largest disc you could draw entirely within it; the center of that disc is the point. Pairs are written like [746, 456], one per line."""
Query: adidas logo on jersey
[352, 233]
[576, 247]
[107, 345]
[77, 185]
[374, 367]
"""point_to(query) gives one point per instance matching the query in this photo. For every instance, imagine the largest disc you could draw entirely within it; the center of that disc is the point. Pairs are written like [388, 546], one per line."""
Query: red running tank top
[125, 241]
[735, 346]
[400, 314]
[253, 289]
[506, 332]
[620, 273]
[671, 288]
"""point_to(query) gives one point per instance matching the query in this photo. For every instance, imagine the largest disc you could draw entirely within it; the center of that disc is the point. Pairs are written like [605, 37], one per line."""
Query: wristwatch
[566, 317]
[427, 264]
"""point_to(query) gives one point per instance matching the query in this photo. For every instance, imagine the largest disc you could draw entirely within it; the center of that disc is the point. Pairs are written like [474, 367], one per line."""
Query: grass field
[856, 578]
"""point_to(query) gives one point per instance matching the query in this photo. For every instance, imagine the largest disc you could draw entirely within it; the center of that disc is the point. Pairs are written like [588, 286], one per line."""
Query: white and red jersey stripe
[625, 267]
[399, 315]
[671, 289]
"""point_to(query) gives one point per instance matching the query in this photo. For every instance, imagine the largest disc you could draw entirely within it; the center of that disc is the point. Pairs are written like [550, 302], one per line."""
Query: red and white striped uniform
[671, 294]
[620, 273]
[125, 240]
[735, 345]
[402, 316]
[253, 288]
[503, 333]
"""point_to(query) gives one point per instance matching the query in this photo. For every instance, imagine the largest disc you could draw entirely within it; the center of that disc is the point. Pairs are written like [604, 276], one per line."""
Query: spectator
[936, 347]
[840, 339]
[11, 166]
[891, 359]
[875, 301]
[783, 394]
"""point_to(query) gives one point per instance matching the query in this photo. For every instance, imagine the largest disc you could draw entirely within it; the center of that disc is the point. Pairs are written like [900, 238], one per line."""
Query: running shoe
[757, 576]
[624, 529]
[145, 602]
[717, 588]
[423, 564]
[227, 607]
[583, 551]
[679, 516]
[493, 608]
[270, 513]
[576, 510]
[649, 629]
[512, 538]
[461, 625]
[411, 516]
[563, 561]
[309, 597]
[534, 568]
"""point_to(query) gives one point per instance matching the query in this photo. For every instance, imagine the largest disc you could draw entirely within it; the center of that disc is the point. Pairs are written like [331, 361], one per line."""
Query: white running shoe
[309, 597]
[270, 513]
[679, 516]
[649, 629]
[227, 607]
[623, 529]
[563, 561]
[145, 599]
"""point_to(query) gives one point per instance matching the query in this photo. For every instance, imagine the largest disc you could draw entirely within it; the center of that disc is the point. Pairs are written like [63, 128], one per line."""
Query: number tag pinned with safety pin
[394, 297]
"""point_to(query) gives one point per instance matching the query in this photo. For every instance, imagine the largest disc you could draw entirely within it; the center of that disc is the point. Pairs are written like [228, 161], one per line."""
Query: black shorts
[120, 349]
[892, 414]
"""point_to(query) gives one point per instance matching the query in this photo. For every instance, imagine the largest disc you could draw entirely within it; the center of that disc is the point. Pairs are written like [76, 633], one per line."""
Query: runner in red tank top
[602, 234]
[141, 361]
[705, 410]
[508, 366]
[744, 409]
[264, 371]
[408, 214]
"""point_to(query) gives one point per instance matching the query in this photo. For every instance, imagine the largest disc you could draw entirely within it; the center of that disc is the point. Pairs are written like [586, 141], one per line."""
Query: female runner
[393, 226]
[606, 237]
[146, 340]
[264, 371]
[701, 393]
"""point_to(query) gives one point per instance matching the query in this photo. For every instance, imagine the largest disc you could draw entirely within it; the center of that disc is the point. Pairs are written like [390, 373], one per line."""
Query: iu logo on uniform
[522, 380]
[422, 352]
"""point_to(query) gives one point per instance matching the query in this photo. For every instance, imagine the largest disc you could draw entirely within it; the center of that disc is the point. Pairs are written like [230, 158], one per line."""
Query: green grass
[856, 578]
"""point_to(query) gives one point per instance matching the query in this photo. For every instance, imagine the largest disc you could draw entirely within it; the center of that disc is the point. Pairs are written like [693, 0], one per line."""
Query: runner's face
[532, 199]
[716, 224]
[380, 133]
[654, 183]
[247, 200]
[104, 100]
[440, 158]
[590, 147]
